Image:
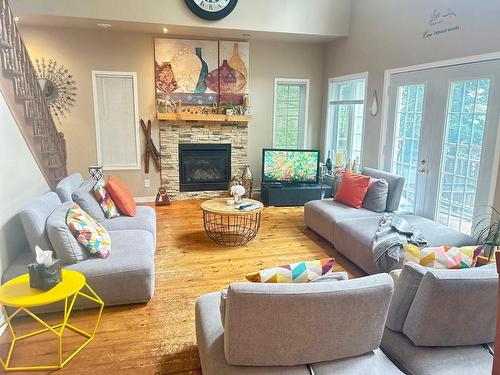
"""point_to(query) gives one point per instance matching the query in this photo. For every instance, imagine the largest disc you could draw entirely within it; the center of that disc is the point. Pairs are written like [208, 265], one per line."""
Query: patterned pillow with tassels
[104, 200]
[302, 272]
[92, 235]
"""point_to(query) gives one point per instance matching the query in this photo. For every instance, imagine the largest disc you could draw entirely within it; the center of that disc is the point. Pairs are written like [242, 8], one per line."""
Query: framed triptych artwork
[201, 72]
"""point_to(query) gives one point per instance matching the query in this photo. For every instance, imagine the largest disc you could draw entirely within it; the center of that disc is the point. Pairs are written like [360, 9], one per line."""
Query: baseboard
[144, 199]
[4, 327]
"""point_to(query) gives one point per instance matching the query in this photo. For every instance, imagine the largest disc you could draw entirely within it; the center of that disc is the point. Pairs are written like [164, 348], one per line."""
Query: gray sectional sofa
[267, 329]
[352, 230]
[127, 276]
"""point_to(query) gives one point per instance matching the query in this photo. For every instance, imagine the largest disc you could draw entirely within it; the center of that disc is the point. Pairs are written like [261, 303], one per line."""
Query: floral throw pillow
[104, 200]
[92, 235]
[442, 256]
[302, 272]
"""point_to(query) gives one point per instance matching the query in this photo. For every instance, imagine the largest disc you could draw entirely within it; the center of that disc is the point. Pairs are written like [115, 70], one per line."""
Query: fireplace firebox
[204, 166]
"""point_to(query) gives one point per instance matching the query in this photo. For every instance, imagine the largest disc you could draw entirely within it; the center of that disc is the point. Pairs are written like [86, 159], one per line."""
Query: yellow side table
[17, 293]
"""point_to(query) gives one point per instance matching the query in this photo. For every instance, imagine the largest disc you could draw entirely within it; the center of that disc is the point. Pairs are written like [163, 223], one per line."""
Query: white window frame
[305, 81]
[133, 75]
[330, 135]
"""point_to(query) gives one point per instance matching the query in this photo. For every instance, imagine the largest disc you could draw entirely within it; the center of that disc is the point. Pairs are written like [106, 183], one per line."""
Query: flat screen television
[290, 166]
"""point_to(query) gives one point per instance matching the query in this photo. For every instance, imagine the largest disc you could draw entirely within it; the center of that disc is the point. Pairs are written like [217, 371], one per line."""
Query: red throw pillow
[353, 189]
[122, 197]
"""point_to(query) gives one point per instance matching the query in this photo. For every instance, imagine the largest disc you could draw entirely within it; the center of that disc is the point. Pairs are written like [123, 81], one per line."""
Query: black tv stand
[293, 194]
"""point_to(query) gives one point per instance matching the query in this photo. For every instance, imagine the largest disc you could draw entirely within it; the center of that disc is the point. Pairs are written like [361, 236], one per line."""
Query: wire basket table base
[231, 230]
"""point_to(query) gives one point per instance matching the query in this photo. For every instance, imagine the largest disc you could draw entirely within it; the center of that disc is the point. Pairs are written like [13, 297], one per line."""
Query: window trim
[329, 131]
[307, 83]
[133, 75]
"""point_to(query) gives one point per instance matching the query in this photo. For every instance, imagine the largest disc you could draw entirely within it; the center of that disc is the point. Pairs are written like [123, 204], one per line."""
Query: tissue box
[45, 277]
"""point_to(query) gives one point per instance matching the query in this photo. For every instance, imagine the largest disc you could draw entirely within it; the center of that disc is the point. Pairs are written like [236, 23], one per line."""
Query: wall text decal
[440, 22]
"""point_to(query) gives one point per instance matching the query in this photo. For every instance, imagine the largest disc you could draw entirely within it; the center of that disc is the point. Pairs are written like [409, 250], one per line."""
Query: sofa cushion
[376, 196]
[460, 360]
[85, 198]
[354, 237]
[210, 340]
[322, 215]
[444, 257]
[373, 363]
[34, 217]
[405, 289]
[352, 189]
[68, 185]
[66, 247]
[145, 219]
[395, 186]
[88, 232]
[454, 307]
[102, 197]
[282, 322]
[121, 196]
[301, 272]
[130, 264]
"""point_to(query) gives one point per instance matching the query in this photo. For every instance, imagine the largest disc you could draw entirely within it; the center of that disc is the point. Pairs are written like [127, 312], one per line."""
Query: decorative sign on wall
[441, 22]
[58, 86]
[200, 72]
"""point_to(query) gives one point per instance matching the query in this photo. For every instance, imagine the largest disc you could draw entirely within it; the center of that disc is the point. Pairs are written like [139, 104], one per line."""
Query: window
[345, 121]
[116, 120]
[291, 102]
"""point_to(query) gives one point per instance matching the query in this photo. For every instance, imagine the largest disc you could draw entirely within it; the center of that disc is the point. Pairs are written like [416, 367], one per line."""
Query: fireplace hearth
[204, 166]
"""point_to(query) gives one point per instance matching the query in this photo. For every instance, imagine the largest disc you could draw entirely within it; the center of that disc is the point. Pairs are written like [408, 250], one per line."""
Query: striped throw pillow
[302, 272]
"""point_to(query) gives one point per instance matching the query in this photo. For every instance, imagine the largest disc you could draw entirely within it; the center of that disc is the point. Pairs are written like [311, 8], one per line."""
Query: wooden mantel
[202, 117]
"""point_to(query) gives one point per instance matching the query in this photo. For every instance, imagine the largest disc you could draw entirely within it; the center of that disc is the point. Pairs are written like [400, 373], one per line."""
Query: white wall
[388, 34]
[20, 181]
[315, 17]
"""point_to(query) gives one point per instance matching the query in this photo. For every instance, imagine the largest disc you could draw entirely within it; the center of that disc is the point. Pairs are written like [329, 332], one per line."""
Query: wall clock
[211, 10]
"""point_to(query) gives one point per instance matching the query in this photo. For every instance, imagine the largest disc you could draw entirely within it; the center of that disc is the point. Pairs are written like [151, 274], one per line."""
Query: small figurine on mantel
[162, 198]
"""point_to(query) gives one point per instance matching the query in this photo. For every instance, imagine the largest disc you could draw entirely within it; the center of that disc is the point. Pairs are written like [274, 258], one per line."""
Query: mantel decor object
[247, 181]
[96, 172]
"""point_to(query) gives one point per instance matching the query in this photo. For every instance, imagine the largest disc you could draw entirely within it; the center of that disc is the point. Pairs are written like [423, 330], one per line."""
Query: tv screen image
[290, 166]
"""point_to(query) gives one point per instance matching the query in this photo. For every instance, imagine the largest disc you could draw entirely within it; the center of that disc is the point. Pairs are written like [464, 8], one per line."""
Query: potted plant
[489, 235]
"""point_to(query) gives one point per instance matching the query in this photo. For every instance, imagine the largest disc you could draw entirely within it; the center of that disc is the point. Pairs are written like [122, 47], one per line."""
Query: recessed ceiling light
[104, 25]
[245, 35]
[164, 30]
[17, 19]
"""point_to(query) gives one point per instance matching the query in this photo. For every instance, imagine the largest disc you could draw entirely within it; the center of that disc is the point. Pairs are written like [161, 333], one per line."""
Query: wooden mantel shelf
[201, 117]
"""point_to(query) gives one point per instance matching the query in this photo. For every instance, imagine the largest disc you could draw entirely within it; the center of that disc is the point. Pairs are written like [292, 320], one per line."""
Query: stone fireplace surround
[173, 133]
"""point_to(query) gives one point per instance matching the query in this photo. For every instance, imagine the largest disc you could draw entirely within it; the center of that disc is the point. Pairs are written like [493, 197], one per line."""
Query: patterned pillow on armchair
[442, 256]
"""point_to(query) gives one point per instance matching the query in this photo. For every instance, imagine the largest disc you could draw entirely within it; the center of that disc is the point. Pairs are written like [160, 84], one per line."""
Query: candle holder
[96, 172]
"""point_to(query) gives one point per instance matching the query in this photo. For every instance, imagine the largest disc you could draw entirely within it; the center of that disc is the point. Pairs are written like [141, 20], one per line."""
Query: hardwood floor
[159, 338]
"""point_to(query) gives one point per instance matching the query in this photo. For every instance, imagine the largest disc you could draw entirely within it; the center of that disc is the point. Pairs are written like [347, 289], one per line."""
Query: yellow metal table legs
[57, 329]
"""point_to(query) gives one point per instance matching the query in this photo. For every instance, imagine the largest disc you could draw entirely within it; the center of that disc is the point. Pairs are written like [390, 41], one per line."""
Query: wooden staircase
[20, 88]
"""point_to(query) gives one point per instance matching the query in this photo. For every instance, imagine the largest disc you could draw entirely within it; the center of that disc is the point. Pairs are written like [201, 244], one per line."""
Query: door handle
[422, 168]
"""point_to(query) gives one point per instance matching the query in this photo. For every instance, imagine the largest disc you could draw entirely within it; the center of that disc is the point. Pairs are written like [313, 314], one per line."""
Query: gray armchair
[332, 327]
[439, 319]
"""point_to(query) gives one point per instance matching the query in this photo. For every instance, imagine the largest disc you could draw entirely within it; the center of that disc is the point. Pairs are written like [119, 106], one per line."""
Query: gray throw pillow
[85, 198]
[65, 245]
[376, 196]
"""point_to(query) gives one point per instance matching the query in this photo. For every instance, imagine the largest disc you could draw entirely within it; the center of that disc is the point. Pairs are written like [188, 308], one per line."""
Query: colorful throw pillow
[121, 196]
[88, 232]
[353, 189]
[302, 272]
[104, 200]
[442, 256]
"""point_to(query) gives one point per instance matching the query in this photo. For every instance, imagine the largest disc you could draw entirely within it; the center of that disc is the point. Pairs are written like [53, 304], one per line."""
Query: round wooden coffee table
[227, 225]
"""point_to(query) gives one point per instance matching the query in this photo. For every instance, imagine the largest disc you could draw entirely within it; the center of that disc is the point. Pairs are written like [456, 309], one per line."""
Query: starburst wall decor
[58, 86]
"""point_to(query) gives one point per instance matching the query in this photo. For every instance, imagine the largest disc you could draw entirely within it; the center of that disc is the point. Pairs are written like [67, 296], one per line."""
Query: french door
[441, 135]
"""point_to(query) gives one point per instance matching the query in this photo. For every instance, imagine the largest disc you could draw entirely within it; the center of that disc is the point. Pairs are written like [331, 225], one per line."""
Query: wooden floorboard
[159, 337]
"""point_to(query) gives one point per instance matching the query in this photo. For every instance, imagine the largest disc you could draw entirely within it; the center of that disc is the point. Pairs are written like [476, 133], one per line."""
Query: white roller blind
[115, 106]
